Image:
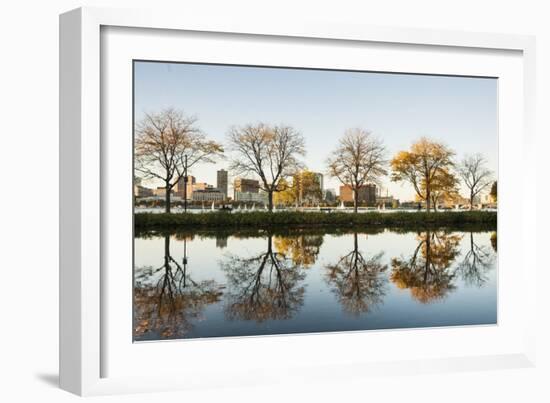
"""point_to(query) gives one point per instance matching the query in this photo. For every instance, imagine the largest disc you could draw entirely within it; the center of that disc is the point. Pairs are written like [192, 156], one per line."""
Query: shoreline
[303, 220]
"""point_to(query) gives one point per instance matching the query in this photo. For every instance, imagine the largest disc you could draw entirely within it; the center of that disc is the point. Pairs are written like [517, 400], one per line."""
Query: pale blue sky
[321, 104]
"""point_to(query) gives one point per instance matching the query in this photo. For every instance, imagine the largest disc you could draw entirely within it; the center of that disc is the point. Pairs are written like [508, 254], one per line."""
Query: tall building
[180, 185]
[365, 194]
[319, 177]
[308, 187]
[246, 186]
[329, 195]
[221, 181]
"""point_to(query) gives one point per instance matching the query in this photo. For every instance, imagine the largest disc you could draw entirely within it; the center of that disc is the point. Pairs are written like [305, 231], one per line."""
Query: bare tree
[163, 142]
[270, 152]
[475, 175]
[358, 160]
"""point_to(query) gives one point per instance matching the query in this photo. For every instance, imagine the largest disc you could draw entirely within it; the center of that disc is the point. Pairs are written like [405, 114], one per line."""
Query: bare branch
[268, 152]
[358, 160]
[163, 140]
[475, 175]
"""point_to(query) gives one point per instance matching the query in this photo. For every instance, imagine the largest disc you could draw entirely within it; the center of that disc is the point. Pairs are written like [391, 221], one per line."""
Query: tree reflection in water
[167, 299]
[262, 287]
[427, 272]
[494, 241]
[357, 281]
[302, 249]
[476, 263]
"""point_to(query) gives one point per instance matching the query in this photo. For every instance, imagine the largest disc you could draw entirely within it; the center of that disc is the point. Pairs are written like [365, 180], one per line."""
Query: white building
[256, 197]
[208, 194]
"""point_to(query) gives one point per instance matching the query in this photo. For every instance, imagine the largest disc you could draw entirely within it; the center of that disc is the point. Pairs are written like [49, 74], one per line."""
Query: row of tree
[169, 143]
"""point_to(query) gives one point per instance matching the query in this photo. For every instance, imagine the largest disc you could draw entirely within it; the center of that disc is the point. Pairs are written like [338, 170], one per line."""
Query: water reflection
[494, 241]
[166, 299]
[357, 280]
[253, 282]
[426, 272]
[476, 263]
[264, 286]
[302, 249]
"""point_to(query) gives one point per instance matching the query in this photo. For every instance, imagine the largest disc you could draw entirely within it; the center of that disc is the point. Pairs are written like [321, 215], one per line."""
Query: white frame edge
[80, 165]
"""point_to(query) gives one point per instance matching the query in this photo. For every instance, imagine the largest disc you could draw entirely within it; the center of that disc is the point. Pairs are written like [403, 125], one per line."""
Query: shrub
[262, 219]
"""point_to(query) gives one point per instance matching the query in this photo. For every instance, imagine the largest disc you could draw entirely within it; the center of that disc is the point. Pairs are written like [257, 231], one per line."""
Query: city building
[319, 178]
[161, 191]
[366, 194]
[208, 194]
[141, 191]
[308, 187]
[387, 201]
[201, 186]
[252, 197]
[180, 186]
[245, 186]
[329, 195]
[221, 181]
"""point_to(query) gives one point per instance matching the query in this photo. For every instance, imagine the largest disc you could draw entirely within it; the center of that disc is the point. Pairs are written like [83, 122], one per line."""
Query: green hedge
[262, 219]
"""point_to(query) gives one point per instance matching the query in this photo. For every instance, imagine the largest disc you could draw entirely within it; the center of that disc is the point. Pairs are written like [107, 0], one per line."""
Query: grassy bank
[262, 219]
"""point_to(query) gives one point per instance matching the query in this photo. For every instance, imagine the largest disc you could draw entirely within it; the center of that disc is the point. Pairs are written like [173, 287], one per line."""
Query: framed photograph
[242, 202]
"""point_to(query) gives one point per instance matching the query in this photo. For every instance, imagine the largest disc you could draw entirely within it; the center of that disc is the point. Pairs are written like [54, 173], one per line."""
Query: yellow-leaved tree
[426, 166]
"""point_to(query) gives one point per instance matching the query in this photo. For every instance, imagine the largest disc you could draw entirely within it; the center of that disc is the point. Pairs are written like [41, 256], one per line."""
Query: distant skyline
[321, 104]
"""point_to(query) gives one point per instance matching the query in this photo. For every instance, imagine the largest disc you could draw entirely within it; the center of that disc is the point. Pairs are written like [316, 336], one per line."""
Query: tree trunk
[355, 197]
[428, 256]
[428, 200]
[166, 250]
[471, 201]
[270, 200]
[167, 198]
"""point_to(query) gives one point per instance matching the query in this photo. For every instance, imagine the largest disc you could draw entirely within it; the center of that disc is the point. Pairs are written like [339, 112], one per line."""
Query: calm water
[212, 284]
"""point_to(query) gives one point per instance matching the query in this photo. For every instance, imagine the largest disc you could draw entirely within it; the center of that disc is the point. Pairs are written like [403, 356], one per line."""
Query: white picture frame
[85, 344]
